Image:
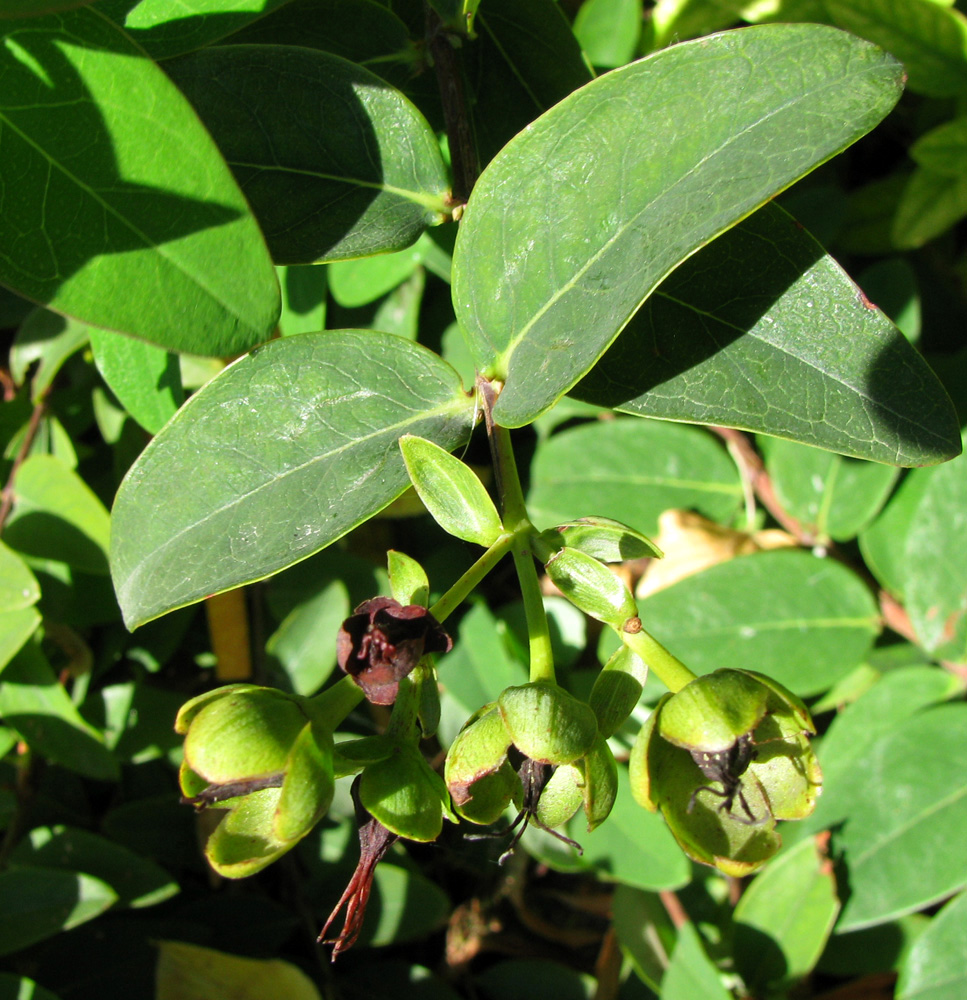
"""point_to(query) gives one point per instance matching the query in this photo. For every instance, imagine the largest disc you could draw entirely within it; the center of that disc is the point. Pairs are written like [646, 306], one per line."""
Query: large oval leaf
[764, 331]
[161, 246]
[576, 221]
[335, 162]
[908, 800]
[166, 28]
[631, 470]
[279, 455]
[802, 620]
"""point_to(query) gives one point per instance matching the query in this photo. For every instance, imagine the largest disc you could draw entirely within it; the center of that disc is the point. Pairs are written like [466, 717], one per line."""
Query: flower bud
[724, 758]
[256, 753]
[479, 777]
[589, 585]
[546, 723]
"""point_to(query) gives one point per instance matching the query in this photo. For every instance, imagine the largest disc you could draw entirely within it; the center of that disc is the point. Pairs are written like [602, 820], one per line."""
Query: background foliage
[142, 198]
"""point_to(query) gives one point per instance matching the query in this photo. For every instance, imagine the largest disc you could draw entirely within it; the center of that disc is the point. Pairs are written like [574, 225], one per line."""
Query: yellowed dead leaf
[692, 543]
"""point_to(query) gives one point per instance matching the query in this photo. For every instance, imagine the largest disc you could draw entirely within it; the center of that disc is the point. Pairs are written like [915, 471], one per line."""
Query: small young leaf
[453, 495]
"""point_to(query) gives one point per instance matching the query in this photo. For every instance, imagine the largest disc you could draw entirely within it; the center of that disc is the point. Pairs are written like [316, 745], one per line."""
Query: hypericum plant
[622, 250]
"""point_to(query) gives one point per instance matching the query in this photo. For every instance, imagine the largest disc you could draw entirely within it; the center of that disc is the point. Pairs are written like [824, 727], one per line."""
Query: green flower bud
[257, 753]
[724, 758]
[546, 723]
[478, 776]
[589, 585]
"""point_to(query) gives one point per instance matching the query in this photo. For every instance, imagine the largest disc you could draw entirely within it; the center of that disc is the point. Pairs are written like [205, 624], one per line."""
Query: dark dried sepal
[382, 641]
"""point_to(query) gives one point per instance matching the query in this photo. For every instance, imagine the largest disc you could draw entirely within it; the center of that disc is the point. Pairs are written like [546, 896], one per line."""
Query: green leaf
[906, 802]
[804, 621]
[634, 847]
[46, 338]
[764, 331]
[358, 282]
[350, 168]
[608, 31]
[929, 39]
[936, 968]
[645, 932]
[37, 903]
[783, 920]
[451, 492]
[96, 219]
[410, 907]
[363, 31]
[166, 28]
[16, 627]
[34, 702]
[943, 149]
[304, 289]
[631, 470]
[524, 61]
[57, 516]
[691, 974]
[18, 8]
[883, 544]
[830, 496]
[18, 586]
[145, 378]
[136, 881]
[935, 563]
[930, 204]
[285, 451]
[855, 732]
[190, 972]
[305, 642]
[580, 217]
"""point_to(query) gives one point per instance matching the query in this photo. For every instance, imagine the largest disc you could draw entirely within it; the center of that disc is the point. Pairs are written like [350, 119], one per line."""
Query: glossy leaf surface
[116, 201]
[631, 470]
[566, 236]
[288, 448]
[721, 618]
[906, 801]
[764, 331]
[350, 168]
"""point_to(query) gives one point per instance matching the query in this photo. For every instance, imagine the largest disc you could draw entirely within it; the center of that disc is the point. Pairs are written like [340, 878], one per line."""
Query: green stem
[468, 582]
[516, 520]
[670, 670]
[330, 707]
